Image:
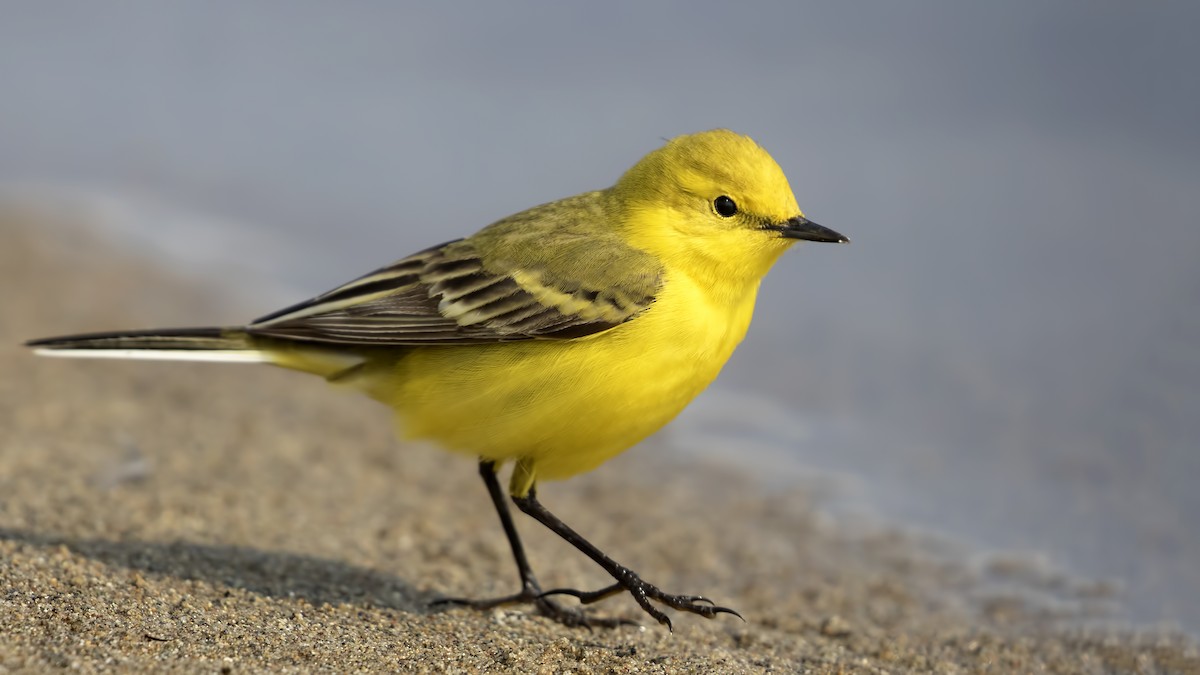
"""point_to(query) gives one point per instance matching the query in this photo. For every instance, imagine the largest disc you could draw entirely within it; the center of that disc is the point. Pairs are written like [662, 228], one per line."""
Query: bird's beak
[803, 228]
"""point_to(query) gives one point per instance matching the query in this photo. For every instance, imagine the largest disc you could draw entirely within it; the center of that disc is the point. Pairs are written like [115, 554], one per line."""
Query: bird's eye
[725, 206]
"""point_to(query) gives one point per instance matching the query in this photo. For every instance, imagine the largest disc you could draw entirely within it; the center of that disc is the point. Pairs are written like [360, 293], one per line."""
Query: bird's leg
[627, 580]
[531, 591]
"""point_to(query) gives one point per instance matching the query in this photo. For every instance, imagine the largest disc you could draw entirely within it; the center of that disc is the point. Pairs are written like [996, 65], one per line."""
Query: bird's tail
[203, 344]
[172, 344]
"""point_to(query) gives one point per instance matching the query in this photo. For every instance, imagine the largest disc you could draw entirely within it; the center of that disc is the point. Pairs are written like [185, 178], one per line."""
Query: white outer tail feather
[226, 356]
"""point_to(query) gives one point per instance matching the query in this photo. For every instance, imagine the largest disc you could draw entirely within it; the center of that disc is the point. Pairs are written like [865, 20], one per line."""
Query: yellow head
[715, 204]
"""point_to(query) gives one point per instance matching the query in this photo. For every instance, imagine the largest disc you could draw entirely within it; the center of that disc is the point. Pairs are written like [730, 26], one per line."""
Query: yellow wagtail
[553, 339]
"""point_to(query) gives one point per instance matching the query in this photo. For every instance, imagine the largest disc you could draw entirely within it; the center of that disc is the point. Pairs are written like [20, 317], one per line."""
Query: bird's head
[714, 200]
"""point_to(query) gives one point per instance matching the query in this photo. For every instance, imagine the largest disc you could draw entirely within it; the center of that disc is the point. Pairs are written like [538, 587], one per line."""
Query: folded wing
[449, 294]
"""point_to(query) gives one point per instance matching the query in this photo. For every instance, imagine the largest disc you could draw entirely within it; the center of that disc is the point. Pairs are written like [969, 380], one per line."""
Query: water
[1009, 352]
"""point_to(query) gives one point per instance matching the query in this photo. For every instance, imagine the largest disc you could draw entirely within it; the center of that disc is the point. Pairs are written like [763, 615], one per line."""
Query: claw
[643, 593]
[726, 610]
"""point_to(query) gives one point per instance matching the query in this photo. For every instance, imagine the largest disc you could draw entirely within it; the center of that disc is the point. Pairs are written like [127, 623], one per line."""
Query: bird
[551, 340]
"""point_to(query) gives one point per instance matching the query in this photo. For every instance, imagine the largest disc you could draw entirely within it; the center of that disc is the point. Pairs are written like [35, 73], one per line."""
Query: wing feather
[450, 294]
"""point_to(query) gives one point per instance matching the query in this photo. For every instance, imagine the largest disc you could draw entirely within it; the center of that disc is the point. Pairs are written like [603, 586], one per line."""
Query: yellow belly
[564, 406]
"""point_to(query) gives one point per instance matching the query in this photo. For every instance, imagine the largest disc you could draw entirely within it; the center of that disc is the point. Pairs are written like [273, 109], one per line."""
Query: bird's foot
[533, 594]
[643, 593]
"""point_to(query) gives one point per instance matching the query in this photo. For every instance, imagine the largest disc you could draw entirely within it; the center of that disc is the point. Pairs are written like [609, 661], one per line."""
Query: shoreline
[186, 516]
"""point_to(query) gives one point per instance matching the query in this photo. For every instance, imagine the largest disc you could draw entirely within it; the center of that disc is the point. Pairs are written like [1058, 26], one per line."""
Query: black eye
[725, 206]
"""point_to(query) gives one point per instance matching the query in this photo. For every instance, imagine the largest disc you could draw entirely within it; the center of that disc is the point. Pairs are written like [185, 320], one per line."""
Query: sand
[194, 517]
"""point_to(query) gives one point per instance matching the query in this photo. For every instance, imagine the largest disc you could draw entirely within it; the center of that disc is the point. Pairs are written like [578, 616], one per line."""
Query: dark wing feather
[449, 295]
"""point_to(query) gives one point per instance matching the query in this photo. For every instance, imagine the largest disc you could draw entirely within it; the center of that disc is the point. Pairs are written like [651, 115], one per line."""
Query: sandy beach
[225, 518]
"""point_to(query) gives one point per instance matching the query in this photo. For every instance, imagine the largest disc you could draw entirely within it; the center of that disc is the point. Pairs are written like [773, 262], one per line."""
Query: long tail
[172, 344]
[203, 344]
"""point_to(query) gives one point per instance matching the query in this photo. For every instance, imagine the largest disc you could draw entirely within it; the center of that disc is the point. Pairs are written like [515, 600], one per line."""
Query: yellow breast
[566, 405]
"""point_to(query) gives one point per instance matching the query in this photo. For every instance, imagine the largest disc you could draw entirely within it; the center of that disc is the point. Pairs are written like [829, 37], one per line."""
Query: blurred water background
[1008, 353]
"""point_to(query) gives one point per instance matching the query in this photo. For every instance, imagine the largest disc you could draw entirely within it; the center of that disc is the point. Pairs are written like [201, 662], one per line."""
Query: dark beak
[803, 228]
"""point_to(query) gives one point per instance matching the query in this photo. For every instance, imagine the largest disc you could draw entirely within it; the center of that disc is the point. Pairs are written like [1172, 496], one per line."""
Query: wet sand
[196, 517]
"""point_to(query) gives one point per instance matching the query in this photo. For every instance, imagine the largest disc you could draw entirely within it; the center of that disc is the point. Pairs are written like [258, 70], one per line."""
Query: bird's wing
[452, 294]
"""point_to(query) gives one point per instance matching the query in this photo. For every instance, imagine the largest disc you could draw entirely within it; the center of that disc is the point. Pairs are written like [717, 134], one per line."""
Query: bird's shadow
[268, 573]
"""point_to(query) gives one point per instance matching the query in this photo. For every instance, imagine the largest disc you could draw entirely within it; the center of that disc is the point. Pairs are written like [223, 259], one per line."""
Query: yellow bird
[553, 339]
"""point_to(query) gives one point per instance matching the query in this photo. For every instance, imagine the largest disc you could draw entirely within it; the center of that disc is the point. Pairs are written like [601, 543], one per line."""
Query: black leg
[627, 580]
[531, 591]
[529, 583]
